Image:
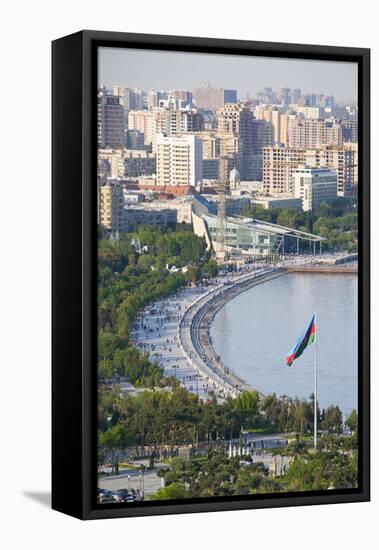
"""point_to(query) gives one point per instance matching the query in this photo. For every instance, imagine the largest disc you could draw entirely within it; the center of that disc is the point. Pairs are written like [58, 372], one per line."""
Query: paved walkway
[156, 331]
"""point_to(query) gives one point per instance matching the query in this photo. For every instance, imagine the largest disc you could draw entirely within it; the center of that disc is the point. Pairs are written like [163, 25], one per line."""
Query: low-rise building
[137, 216]
[182, 206]
[281, 201]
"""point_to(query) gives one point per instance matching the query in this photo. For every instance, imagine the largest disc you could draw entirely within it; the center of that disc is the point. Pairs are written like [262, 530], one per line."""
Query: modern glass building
[257, 237]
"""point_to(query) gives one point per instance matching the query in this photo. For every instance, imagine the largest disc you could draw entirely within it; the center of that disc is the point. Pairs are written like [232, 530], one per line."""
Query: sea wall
[193, 331]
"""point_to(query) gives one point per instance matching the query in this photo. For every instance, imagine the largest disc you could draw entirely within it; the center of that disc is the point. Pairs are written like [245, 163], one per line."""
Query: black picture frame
[74, 85]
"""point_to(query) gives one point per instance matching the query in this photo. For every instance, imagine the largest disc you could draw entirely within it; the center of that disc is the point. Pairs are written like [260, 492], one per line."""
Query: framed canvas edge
[90, 40]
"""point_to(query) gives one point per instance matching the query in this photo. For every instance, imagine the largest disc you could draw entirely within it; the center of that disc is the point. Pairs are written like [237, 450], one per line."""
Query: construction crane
[222, 192]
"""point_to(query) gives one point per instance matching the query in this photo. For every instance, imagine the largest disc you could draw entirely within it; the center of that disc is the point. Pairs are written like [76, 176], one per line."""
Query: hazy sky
[149, 69]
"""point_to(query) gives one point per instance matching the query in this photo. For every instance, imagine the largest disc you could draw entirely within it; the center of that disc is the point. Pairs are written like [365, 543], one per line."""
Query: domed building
[234, 179]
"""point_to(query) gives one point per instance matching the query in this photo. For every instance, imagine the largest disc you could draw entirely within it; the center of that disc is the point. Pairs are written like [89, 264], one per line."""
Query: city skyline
[212, 213]
[152, 69]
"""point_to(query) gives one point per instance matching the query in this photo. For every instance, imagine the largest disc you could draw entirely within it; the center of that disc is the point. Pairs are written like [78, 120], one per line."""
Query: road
[148, 481]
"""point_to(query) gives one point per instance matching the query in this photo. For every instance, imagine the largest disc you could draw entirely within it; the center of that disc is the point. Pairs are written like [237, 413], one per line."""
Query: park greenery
[333, 466]
[134, 271]
[160, 418]
[159, 422]
[128, 280]
[337, 222]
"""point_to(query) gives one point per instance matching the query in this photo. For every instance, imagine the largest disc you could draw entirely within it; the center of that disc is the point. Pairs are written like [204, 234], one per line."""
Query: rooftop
[272, 228]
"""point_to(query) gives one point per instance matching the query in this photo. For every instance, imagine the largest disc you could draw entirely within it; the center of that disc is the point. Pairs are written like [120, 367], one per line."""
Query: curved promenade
[193, 331]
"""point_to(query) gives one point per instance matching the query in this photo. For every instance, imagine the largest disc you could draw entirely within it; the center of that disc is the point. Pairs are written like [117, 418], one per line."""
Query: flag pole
[315, 389]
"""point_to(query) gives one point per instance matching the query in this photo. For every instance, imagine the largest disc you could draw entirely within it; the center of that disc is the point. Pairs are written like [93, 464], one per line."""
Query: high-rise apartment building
[110, 120]
[213, 98]
[111, 206]
[311, 133]
[278, 163]
[184, 95]
[285, 96]
[143, 121]
[353, 146]
[263, 135]
[275, 121]
[267, 95]
[332, 133]
[134, 139]
[154, 97]
[342, 159]
[310, 100]
[287, 120]
[314, 186]
[230, 96]
[179, 160]
[130, 98]
[305, 133]
[309, 111]
[237, 120]
[350, 130]
[272, 114]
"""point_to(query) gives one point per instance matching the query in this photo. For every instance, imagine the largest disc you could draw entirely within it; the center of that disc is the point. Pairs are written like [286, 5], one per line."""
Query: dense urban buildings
[213, 98]
[282, 149]
[205, 192]
[279, 162]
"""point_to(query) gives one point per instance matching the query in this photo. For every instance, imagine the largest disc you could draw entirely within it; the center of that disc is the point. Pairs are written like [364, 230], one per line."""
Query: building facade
[111, 207]
[110, 121]
[278, 163]
[314, 186]
[142, 121]
[179, 160]
[213, 98]
[134, 217]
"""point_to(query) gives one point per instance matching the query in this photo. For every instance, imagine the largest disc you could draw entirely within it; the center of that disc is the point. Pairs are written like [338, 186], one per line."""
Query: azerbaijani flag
[305, 340]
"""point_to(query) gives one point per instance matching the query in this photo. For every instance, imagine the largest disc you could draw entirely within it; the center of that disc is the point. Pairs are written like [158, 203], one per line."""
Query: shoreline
[329, 270]
[187, 330]
[194, 337]
[165, 331]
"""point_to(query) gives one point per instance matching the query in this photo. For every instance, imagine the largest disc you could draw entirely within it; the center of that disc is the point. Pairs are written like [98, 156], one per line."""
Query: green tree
[247, 408]
[287, 217]
[193, 274]
[332, 420]
[352, 420]
[114, 439]
[173, 491]
[211, 268]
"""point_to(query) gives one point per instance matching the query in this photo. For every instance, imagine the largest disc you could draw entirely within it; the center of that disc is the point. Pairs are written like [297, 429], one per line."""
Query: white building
[309, 112]
[179, 160]
[314, 186]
